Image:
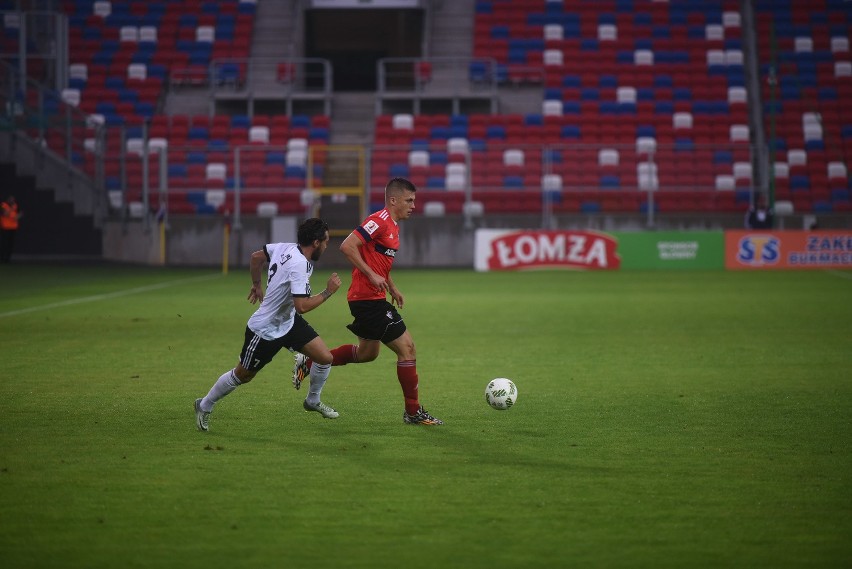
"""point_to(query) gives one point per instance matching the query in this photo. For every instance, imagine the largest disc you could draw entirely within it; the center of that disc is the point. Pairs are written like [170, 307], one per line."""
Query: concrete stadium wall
[426, 241]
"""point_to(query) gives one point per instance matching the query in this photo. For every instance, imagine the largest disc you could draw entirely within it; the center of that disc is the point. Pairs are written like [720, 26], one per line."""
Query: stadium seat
[434, 209]
[418, 158]
[216, 171]
[157, 144]
[102, 8]
[458, 146]
[513, 157]
[403, 121]
[259, 134]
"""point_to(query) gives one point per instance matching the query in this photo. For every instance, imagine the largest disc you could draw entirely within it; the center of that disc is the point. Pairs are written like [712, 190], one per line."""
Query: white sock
[319, 373]
[223, 386]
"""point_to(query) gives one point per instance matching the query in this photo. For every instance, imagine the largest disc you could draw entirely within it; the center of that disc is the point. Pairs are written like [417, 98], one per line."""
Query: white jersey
[288, 276]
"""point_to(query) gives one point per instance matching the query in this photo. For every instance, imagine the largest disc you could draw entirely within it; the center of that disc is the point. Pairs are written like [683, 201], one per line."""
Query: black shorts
[376, 320]
[258, 352]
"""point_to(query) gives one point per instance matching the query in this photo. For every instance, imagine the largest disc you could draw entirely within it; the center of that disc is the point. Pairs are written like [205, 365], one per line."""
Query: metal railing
[288, 80]
[540, 178]
[37, 43]
[550, 174]
[450, 78]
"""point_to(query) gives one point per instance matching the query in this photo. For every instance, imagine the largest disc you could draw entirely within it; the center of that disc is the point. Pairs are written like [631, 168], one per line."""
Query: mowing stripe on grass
[841, 274]
[109, 295]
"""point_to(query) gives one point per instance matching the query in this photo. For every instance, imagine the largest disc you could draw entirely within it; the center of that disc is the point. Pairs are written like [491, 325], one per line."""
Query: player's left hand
[333, 283]
[396, 297]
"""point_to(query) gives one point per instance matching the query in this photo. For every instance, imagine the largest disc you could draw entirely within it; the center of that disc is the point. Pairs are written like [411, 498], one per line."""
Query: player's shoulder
[381, 216]
[284, 252]
[377, 220]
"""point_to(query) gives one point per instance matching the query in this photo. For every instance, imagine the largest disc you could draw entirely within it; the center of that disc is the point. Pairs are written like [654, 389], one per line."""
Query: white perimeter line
[840, 274]
[106, 296]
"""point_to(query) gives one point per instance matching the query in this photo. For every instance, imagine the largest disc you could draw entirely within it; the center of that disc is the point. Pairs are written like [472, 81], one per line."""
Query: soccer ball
[501, 393]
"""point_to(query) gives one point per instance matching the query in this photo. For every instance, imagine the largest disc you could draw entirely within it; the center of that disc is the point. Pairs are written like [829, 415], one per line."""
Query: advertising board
[671, 249]
[766, 249]
[517, 250]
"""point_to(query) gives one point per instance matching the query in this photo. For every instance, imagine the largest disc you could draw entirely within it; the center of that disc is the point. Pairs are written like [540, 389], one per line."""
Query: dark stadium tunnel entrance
[354, 40]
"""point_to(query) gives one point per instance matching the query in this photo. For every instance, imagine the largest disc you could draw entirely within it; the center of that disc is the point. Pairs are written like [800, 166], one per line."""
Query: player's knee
[243, 374]
[364, 358]
[406, 351]
[323, 359]
[364, 355]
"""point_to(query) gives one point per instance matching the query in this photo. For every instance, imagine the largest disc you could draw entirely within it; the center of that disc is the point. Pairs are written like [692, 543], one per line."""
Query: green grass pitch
[664, 419]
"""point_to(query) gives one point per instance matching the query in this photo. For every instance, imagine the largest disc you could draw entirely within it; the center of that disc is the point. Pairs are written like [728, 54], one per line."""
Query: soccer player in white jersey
[278, 321]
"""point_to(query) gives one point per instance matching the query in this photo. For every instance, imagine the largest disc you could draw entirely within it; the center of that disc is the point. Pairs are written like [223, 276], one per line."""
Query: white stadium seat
[740, 133]
[797, 157]
[839, 44]
[607, 32]
[803, 44]
[259, 133]
[552, 57]
[725, 182]
[646, 145]
[418, 158]
[553, 32]
[551, 108]
[434, 209]
[643, 57]
[551, 182]
[403, 121]
[458, 145]
[128, 34]
[216, 171]
[513, 157]
[608, 157]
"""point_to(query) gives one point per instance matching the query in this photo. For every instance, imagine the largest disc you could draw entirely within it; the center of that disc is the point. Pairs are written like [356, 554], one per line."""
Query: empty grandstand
[533, 113]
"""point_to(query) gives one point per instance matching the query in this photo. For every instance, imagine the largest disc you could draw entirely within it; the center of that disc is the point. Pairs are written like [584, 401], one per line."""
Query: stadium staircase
[274, 38]
[50, 227]
[449, 29]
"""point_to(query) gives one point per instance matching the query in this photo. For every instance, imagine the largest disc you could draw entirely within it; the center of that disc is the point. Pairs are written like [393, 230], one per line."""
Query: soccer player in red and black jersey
[371, 249]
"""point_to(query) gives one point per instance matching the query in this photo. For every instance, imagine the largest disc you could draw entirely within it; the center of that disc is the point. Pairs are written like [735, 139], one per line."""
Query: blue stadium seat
[399, 171]
[610, 181]
[276, 157]
[513, 181]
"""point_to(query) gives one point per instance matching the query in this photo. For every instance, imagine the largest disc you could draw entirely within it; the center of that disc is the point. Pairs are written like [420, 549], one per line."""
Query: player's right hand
[255, 294]
[379, 282]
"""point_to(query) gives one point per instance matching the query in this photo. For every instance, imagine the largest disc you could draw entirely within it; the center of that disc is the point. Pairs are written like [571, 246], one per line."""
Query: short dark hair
[311, 230]
[398, 185]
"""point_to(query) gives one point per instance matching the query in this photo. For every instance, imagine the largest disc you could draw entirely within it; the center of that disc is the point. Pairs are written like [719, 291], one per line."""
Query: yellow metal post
[355, 188]
[162, 242]
[226, 238]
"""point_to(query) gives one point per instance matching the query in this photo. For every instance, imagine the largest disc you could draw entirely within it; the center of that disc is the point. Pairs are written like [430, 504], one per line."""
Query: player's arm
[307, 303]
[350, 249]
[256, 263]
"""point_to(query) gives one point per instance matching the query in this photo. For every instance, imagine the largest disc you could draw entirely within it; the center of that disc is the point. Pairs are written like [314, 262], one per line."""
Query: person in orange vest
[9, 216]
